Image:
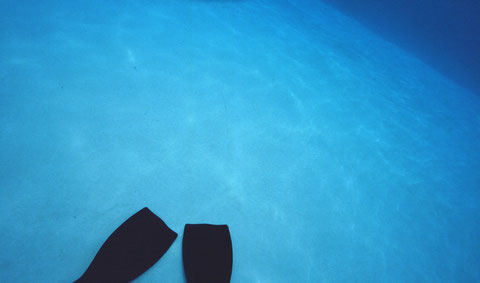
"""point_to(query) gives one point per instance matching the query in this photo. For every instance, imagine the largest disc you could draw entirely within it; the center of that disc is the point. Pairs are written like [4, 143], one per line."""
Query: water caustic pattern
[332, 155]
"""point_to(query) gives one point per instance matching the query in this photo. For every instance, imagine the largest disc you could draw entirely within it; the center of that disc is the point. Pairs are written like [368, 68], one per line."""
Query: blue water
[332, 154]
[443, 33]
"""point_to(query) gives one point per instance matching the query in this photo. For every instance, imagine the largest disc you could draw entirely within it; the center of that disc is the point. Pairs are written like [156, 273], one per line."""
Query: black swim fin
[130, 250]
[207, 253]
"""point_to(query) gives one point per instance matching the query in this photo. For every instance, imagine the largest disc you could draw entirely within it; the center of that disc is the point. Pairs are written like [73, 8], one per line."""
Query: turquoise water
[332, 154]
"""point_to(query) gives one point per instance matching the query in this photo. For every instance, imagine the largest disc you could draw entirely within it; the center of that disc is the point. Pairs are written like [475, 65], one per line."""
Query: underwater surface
[332, 154]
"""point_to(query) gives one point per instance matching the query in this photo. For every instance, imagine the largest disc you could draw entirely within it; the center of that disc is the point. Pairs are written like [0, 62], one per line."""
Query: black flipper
[131, 249]
[207, 253]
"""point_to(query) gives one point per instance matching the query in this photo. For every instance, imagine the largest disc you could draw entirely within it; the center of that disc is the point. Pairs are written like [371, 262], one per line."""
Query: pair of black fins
[144, 238]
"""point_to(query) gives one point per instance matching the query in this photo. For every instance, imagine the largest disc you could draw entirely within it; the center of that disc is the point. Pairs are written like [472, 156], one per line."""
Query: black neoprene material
[130, 250]
[207, 253]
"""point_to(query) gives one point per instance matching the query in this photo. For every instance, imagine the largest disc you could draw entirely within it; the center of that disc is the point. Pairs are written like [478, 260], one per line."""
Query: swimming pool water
[333, 155]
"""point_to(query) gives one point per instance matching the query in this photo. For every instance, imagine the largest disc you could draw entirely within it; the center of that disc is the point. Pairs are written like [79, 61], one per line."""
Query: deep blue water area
[445, 34]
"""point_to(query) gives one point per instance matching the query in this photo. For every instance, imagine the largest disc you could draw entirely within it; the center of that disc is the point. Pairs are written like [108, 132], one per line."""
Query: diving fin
[131, 249]
[207, 253]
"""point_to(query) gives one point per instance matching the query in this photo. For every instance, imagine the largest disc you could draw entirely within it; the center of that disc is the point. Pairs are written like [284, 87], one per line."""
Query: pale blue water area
[333, 155]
